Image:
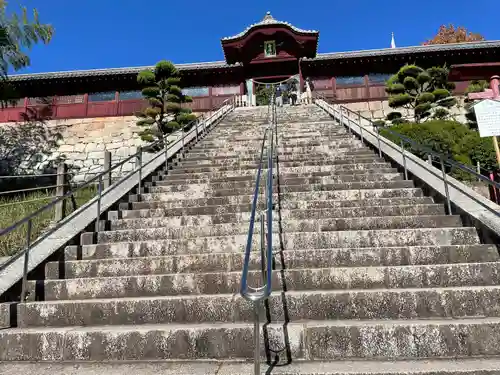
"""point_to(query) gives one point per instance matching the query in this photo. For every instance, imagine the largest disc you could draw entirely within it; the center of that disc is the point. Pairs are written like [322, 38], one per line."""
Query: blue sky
[119, 33]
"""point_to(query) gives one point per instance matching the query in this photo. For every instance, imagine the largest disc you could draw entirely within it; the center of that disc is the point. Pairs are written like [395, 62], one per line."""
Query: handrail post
[446, 190]
[24, 286]
[404, 158]
[61, 190]
[378, 141]
[99, 196]
[256, 337]
[107, 167]
[360, 127]
[138, 166]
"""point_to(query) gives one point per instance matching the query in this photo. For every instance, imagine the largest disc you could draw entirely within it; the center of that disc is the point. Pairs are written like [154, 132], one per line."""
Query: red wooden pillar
[367, 88]
[210, 100]
[86, 104]
[334, 88]
[301, 78]
[54, 107]
[495, 86]
[117, 99]
[242, 88]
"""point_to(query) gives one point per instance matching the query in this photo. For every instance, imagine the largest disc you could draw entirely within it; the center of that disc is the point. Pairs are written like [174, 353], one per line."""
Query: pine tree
[165, 113]
[426, 92]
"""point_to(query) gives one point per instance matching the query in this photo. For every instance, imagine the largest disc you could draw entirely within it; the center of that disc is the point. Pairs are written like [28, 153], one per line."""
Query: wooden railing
[63, 108]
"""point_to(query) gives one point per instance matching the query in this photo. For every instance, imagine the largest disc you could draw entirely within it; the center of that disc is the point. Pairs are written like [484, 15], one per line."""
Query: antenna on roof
[393, 42]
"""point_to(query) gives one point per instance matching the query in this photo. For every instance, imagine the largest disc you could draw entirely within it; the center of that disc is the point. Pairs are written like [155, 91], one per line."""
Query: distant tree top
[451, 34]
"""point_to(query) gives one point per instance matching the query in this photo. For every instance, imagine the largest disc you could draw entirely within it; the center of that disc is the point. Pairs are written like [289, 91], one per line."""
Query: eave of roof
[223, 65]
[406, 50]
[116, 71]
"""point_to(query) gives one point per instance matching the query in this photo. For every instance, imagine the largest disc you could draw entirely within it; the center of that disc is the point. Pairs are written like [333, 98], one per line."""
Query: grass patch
[13, 209]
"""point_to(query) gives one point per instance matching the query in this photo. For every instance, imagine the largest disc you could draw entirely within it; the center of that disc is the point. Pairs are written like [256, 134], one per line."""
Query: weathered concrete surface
[421, 303]
[436, 275]
[310, 258]
[81, 218]
[427, 367]
[365, 268]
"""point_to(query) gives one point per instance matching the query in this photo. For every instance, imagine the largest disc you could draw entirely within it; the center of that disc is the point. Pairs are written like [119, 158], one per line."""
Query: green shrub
[455, 140]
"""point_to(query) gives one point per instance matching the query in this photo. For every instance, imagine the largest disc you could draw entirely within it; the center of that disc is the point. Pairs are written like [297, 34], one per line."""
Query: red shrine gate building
[267, 51]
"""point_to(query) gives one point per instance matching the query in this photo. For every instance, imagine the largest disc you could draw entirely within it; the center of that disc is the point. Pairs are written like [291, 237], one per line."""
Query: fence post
[61, 189]
[107, 167]
[478, 169]
[429, 159]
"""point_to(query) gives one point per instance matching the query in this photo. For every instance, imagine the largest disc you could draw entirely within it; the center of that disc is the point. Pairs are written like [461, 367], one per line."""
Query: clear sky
[121, 33]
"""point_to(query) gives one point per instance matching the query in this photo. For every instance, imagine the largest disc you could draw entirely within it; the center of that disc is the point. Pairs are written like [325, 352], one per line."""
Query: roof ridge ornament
[268, 18]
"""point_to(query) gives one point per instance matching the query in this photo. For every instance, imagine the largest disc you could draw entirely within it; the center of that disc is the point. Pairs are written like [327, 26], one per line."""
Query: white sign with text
[488, 117]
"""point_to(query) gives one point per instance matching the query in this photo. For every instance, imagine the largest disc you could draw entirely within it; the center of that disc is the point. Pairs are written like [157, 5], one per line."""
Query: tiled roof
[114, 71]
[408, 50]
[269, 20]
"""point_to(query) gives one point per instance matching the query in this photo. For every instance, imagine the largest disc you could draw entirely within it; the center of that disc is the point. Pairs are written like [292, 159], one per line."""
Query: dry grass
[13, 209]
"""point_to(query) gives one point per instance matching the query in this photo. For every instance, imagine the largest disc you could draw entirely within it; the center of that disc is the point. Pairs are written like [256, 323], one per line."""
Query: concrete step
[470, 366]
[283, 178]
[250, 174]
[291, 225]
[388, 174]
[194, 173]
[314, 340]
[194, 192]
[309, 258]
[317, 140]
[238, 217]
[333, 151]
[291, 241]
[416, 303]
[390, 277]
[341, 208]
[302, 200]
[297, 161]
[282, 157]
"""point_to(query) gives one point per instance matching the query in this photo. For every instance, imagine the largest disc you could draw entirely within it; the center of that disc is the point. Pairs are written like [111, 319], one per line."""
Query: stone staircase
[371, 276]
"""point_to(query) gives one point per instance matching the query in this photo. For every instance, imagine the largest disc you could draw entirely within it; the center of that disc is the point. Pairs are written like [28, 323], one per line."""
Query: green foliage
[165, 113]
[423, 92]
[451, 138]
[17, 34]
[263, 94]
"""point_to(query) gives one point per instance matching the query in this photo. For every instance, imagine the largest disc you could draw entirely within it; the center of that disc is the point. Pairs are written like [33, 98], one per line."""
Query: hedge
[451, 138]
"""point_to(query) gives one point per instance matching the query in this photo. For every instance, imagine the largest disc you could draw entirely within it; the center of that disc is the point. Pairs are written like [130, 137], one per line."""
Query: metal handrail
[444, 160]
[101, 192]
[258, 294]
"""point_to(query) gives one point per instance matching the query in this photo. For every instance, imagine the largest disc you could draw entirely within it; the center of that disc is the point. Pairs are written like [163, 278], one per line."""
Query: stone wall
[83, 142]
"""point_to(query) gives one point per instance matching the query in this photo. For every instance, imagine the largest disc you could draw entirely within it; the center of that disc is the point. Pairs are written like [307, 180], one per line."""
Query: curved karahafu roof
[267, 21]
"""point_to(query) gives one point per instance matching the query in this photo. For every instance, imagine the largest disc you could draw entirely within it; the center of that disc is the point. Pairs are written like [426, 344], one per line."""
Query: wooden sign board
[488, 117]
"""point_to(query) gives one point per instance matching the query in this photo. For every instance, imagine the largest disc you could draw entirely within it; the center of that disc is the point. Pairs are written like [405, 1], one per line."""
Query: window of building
[107, 96]
[130, 95]
[226, 90]
[270, 48]
[340, 81]
[71, 99]
[195, 91]
[379, 77]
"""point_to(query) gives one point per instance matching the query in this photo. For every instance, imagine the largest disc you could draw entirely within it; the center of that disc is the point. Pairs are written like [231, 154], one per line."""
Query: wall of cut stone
[83, 142]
